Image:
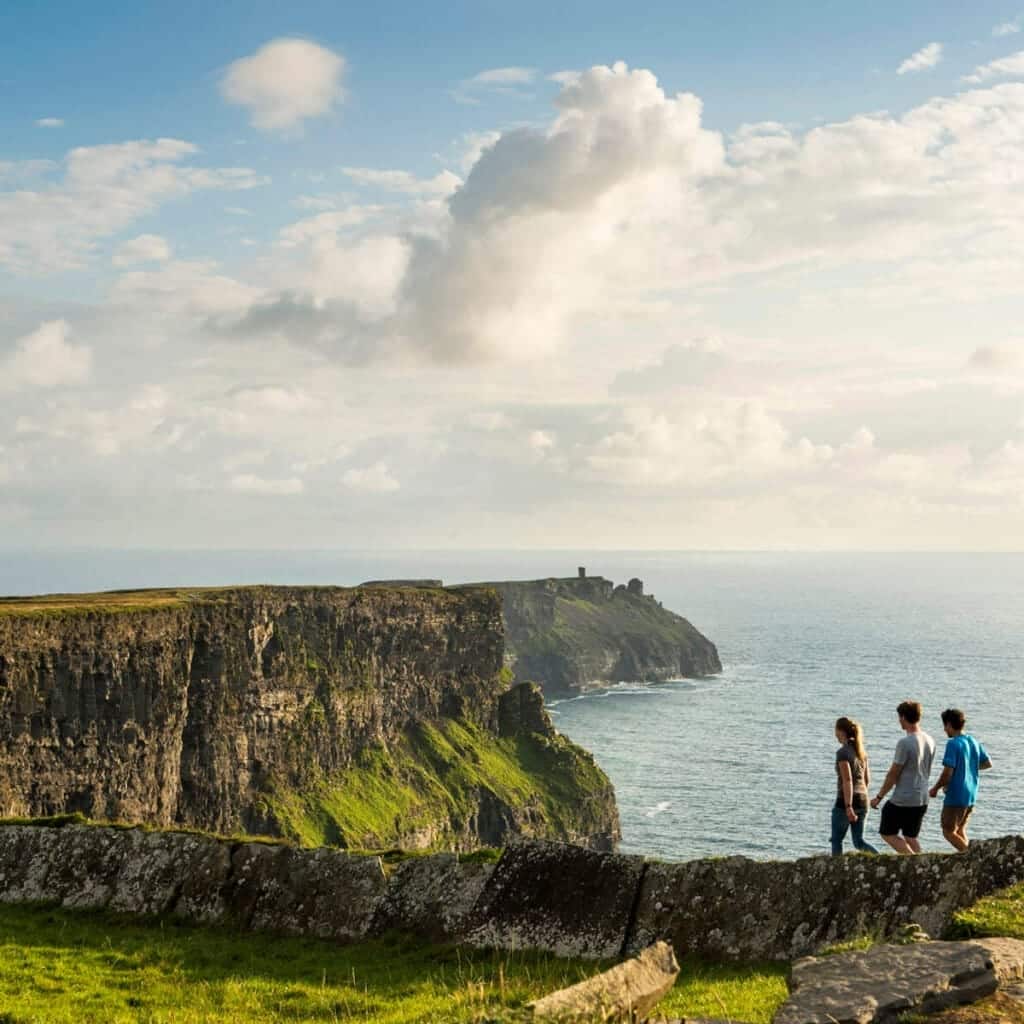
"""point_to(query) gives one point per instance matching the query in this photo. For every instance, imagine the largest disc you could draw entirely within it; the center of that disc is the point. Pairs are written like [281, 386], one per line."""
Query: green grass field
[64, 966]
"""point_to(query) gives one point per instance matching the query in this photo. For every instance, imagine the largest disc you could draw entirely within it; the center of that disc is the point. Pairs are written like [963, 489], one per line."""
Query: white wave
[660, 808]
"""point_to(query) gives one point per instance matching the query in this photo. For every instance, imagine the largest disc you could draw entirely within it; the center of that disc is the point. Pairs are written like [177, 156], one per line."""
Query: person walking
[962, 760]
[853, 778]
[907, 778]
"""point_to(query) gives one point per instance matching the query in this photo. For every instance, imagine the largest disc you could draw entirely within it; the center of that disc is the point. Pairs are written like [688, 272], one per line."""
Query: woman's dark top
[858, 772]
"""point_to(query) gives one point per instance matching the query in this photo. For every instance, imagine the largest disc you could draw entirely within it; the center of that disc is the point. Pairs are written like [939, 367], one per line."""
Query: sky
[477, 275]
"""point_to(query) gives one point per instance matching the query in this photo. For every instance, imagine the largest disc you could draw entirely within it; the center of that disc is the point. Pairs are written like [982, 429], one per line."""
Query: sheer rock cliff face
[275, 709]
[570, 635]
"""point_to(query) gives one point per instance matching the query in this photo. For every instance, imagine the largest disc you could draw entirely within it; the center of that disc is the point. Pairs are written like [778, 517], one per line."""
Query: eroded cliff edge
[359, 717]
[577, 633]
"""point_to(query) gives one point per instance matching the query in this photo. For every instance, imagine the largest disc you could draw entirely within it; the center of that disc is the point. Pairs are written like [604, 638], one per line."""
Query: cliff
[569, 635]
[358, 717]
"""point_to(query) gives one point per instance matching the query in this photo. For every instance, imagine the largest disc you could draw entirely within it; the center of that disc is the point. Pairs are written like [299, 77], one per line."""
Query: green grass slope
[429, 783]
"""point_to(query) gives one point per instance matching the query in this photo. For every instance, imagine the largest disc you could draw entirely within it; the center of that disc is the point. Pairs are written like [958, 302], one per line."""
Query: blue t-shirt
[963, 754]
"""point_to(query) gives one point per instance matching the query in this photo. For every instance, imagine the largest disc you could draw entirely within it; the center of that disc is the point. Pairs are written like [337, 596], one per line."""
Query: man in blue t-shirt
[964, 758]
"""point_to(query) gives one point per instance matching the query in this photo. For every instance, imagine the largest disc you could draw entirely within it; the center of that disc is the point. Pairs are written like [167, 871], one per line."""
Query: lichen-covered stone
[26, 857]
[431, 896]
[325, 893]
[736, 908]
[563, 899]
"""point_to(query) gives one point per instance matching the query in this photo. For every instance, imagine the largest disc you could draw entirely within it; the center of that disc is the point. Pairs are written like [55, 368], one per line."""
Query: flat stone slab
[875, 986]
[626, 992]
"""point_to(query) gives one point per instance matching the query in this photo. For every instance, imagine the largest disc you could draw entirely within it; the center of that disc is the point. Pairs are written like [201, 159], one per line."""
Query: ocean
[741, 763]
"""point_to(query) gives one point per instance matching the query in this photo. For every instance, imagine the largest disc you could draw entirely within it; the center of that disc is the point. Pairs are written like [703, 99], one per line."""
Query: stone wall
[548, 896]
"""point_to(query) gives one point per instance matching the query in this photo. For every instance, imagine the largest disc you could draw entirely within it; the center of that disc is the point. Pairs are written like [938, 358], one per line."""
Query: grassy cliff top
[112, 601]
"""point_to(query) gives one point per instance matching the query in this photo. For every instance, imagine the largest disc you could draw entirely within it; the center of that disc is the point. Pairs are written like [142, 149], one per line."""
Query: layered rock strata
[357, 717]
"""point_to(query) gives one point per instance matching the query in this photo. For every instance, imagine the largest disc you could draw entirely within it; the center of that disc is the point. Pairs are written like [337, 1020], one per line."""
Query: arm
[942, 783]
[985, 765]
[846, 777]
[892, 776]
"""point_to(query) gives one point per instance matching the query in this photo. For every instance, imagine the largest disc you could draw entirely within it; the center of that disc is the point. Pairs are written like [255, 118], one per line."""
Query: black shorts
[901, 819]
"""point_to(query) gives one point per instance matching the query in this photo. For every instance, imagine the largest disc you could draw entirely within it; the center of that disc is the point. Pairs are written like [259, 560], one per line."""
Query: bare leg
[899, 844]
[956, 839]
[914, 845]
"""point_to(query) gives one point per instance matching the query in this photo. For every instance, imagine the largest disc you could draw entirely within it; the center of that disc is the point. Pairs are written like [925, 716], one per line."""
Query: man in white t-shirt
[907, 777]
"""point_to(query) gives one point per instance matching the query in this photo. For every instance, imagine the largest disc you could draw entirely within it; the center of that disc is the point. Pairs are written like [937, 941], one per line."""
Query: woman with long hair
[853, 779]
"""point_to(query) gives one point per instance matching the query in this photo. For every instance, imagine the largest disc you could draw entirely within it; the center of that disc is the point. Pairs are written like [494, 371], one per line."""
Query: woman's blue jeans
[840, 824]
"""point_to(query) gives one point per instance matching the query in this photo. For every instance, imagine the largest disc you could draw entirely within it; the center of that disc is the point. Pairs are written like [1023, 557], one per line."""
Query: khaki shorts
[954, 819]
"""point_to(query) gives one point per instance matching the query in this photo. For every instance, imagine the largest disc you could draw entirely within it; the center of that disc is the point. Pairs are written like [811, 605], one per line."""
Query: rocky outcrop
[357, 717]
[572, 634]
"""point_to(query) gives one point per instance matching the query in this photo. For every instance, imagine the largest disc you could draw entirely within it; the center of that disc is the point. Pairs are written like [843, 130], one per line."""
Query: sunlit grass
[63, 966]
[1001, 914]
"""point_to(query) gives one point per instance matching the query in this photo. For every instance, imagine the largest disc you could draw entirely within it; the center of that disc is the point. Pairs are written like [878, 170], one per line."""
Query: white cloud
[142, 249]
[25, 170]
[715, 446]
[326, 224]
[104, 189]
[1005, 67]
[314, 202]
[272, 399]
[249, 483]
[510, 81]
[45, 359]
[540, 440]
[373, 479]
[188, 287]
[504, 76]
[995, 359]
[285, 82]
[442, 184]
[1008, 28]
[473, 146]
[540, 214]
[927, 57]
[50, 122]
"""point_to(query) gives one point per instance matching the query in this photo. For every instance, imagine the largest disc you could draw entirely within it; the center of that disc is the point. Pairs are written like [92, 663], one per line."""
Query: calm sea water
[742, 763]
